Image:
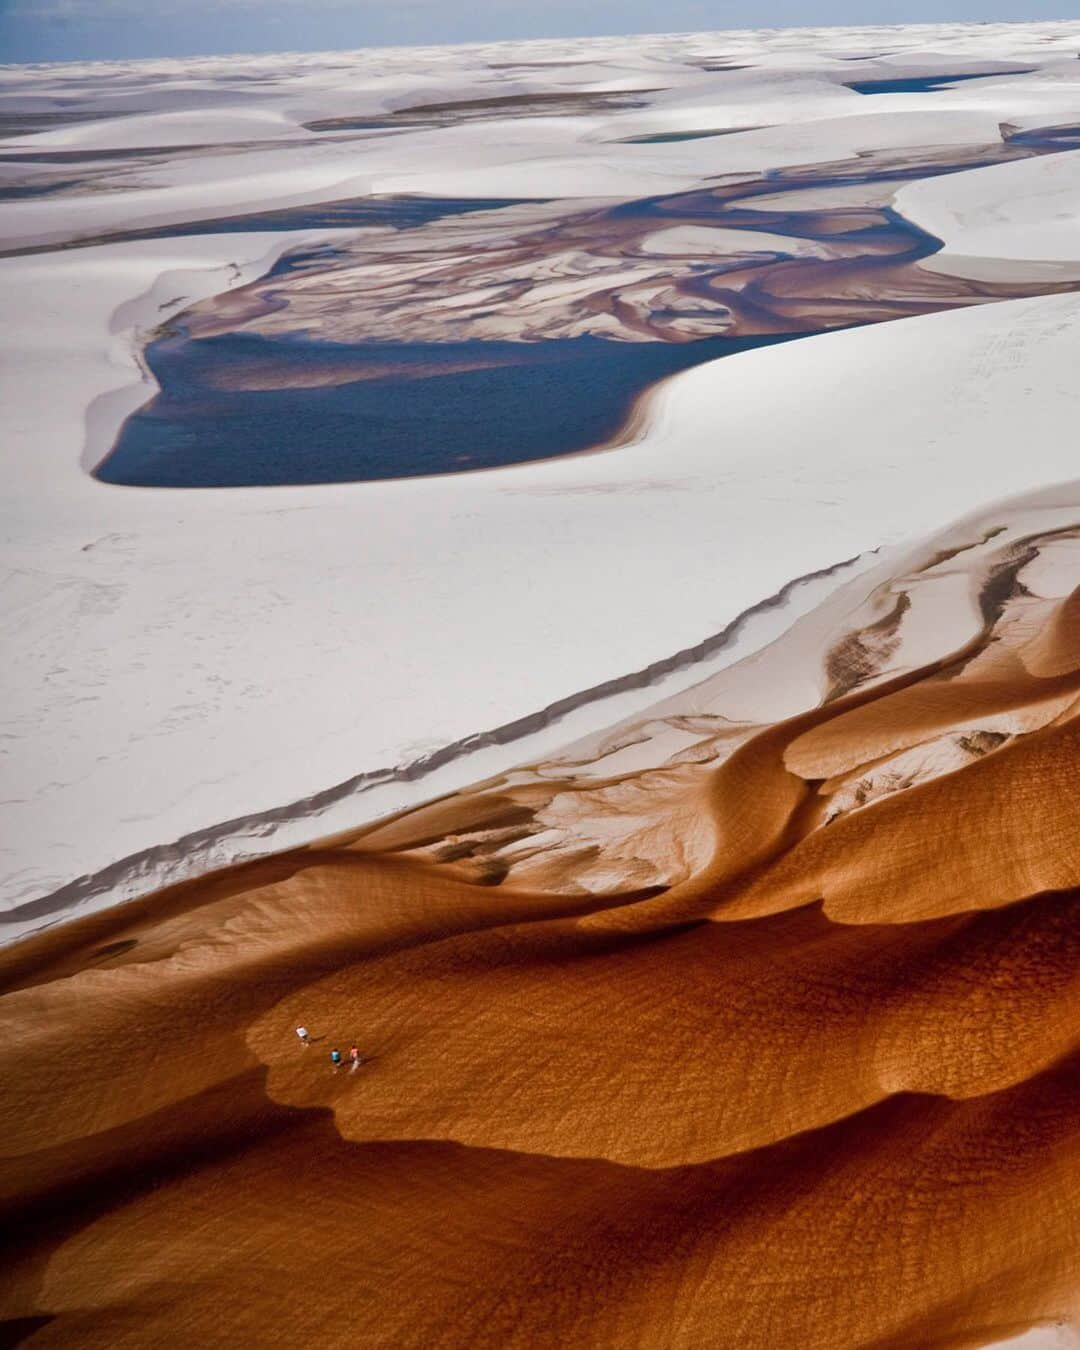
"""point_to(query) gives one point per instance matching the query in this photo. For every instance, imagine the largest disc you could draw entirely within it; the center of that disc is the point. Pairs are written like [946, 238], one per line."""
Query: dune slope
[715, 1029]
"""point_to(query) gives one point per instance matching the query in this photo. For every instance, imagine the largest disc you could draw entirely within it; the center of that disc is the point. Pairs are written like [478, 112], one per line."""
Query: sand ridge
[708, 1030]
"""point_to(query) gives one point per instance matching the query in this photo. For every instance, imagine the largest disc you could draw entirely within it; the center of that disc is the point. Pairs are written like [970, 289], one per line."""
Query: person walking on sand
[305, 1039]
[354, 1056]
[335, 1059]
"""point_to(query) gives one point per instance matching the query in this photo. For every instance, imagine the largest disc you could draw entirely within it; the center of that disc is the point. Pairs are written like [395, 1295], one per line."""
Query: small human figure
[354, 1056]
[305, 1039]
[335, 1059]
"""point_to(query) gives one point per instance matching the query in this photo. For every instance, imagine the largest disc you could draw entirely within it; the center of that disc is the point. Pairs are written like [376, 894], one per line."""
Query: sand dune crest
[708, 1028]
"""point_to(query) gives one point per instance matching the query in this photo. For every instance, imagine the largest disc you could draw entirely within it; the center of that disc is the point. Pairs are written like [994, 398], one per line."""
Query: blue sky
[62, 30]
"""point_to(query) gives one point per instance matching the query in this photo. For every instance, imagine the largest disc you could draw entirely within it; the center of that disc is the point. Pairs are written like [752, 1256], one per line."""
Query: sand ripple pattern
[714, 1030]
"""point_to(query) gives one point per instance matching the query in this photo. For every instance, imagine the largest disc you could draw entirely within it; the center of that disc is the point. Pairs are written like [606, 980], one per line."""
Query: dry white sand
[205, 666]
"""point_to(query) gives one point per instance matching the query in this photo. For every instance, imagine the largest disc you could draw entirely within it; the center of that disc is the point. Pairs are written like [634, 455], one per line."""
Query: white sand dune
[1019, 220]
[211, 666]
[164, 712]
[198, 126]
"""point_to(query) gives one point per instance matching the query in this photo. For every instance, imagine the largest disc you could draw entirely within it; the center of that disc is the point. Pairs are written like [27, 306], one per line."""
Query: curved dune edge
[716, 1028]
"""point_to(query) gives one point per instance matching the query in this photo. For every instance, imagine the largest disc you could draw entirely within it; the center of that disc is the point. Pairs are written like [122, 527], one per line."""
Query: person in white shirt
[302, 1032]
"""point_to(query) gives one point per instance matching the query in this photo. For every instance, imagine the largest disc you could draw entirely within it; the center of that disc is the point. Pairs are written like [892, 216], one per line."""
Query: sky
[68, 30]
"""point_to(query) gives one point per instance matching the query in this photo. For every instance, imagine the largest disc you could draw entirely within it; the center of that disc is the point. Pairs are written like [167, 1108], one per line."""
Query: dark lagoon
[923, 84]
[238, 409]
[414, 408]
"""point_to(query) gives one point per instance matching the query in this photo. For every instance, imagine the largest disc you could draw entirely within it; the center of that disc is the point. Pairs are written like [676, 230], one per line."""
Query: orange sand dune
[715, 1030]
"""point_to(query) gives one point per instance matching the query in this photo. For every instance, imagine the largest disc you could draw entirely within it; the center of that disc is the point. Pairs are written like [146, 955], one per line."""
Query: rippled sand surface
[727, 1027]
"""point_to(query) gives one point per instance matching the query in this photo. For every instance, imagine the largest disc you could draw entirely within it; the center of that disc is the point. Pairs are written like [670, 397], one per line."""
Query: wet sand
[490, 109]
[394, 213]
[713, 1029]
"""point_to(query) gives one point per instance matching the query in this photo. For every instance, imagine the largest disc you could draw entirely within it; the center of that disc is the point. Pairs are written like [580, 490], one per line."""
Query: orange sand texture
[711, 1032]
